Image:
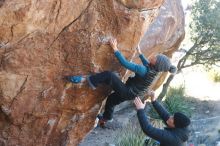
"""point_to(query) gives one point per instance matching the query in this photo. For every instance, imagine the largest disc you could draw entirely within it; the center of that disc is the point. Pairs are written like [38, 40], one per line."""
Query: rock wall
[42, 41]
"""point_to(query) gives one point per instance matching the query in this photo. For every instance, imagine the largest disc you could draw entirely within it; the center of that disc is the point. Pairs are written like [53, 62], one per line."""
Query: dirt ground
[205, 126]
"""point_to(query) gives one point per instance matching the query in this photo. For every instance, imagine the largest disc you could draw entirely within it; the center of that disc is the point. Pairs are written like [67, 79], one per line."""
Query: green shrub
[132, 135]
[175, 101]
[214, 75]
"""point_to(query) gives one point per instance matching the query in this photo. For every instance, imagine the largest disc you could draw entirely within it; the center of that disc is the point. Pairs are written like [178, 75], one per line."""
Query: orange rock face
[42, 41]
[142, 4]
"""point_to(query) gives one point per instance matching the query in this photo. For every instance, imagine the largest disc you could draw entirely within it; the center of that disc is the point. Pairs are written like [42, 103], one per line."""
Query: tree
[205, 35]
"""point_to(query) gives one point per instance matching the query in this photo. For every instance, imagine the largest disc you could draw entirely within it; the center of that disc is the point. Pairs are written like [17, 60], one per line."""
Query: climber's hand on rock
[139, 104]
[138, 50]
[113, 44]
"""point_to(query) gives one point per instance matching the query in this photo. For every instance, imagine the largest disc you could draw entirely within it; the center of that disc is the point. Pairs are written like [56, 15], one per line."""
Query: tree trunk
[165, 87]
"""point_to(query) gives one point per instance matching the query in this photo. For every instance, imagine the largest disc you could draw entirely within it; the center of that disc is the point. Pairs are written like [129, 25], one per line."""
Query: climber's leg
[107, 77]
[116, 98]
[113, 100]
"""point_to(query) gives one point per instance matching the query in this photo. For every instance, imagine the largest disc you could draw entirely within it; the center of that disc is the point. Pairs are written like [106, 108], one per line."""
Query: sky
[184, 3]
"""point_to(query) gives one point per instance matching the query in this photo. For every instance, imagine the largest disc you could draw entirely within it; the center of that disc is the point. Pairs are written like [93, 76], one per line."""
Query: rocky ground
[205, 127]
[108, 136]
[205, 123]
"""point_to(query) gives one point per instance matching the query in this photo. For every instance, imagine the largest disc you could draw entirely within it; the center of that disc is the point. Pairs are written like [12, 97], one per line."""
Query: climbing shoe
[102, 121]
[108, 124]
[74, 79]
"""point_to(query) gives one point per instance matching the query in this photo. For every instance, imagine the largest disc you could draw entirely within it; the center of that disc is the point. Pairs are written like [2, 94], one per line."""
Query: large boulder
[42, 41]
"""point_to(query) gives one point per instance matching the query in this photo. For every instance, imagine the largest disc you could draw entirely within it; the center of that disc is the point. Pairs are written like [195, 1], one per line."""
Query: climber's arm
[144, 60]
[139, 69]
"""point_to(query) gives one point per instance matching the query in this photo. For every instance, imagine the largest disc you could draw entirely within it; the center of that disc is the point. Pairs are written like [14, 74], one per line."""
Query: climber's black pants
[121, 91]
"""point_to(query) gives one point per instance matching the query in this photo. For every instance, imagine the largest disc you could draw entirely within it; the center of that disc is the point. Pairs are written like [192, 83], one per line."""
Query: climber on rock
[134, 86]
[175, 134]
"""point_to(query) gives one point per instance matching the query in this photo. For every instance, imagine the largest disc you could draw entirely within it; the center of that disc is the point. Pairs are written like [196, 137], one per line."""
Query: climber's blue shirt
[137, 68]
